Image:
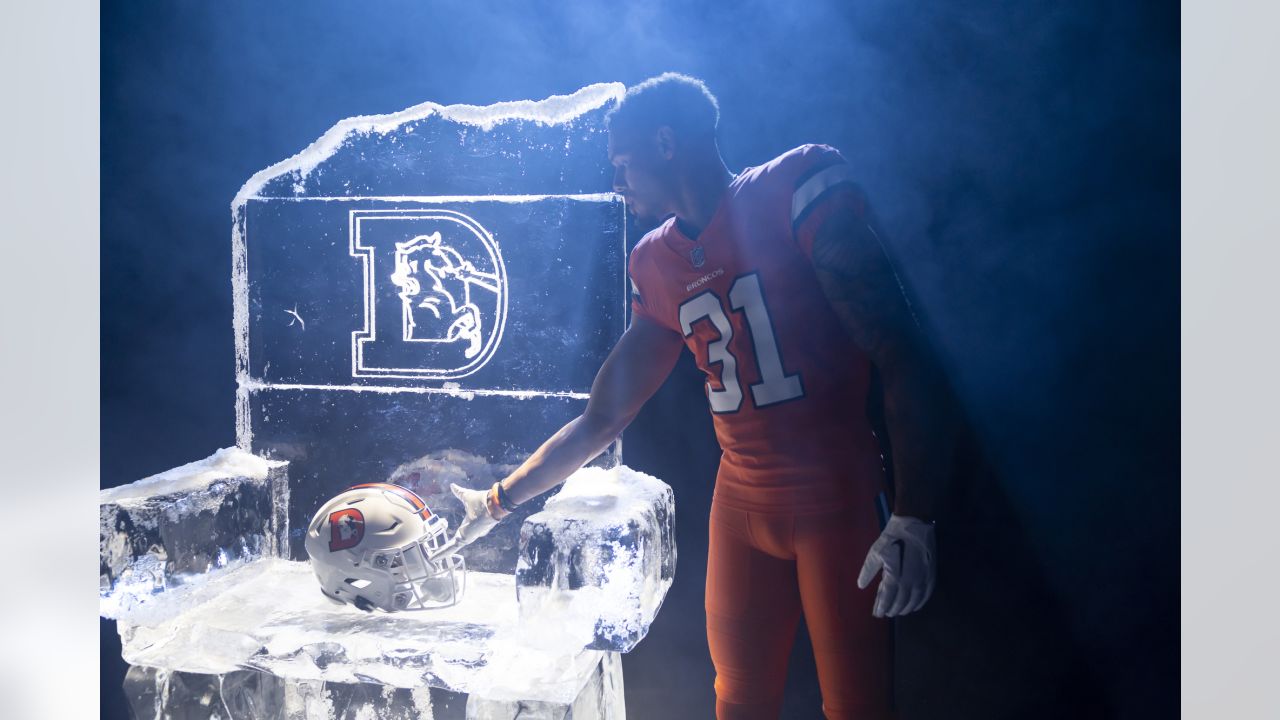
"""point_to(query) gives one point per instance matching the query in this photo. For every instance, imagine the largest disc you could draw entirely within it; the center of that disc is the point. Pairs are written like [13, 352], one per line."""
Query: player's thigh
[830, 549]
[851, 647]
[753, 606]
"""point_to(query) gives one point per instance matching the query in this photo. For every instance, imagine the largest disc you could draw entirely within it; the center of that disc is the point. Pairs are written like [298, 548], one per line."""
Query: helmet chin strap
[447, 550]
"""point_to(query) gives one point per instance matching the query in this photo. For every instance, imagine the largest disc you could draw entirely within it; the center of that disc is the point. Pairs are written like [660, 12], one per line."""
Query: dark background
[1023, 158]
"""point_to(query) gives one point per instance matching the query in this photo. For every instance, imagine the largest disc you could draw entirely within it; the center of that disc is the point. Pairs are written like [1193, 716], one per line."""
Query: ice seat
[270, 616]
[254, 695]
[596, 563]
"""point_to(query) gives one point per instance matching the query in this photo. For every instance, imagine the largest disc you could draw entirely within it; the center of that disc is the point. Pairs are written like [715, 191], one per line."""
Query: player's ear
[666, 142]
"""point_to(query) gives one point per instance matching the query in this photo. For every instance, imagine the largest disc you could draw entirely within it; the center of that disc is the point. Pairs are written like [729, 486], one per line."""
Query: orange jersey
[786, 385]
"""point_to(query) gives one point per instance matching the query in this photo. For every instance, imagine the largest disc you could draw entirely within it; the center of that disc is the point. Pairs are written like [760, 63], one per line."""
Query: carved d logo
[346, 529]
[435, 294]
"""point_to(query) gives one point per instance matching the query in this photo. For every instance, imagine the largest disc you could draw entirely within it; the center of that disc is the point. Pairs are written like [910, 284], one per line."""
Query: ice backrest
[423, 297]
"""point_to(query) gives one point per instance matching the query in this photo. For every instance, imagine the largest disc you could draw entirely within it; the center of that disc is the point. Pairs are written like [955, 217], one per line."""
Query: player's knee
[746, 689]
[738, 698]
[751, 664]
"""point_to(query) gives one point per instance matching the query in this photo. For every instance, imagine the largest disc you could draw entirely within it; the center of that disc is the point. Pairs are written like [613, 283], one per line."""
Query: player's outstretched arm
[859, 280]
[634, 370]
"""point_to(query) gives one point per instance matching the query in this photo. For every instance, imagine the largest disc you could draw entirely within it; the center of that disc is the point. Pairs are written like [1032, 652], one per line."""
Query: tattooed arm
[859, 281]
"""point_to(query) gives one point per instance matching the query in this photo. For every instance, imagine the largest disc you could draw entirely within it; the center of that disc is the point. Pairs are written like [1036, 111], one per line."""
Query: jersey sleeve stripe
[811, 191]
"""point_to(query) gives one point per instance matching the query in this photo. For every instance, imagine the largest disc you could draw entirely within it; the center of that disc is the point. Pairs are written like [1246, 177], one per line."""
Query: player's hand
[905, 552]
[476, 521]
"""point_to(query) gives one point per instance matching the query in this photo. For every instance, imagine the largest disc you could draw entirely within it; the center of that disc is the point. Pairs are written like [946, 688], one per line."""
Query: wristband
[492, 506]
[504, 499]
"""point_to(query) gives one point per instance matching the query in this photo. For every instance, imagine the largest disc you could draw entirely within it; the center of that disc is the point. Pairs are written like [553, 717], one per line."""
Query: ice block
[187, 525]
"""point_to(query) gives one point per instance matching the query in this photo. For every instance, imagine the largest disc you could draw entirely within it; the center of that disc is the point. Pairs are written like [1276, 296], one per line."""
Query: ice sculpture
[419, 298]
[433, 281]
[187, 525]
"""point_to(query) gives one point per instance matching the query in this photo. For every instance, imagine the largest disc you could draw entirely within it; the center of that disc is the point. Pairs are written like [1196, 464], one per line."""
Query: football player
[778, 282]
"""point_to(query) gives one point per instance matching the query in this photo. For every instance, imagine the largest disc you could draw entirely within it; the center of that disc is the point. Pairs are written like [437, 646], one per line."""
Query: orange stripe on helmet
[403, 492]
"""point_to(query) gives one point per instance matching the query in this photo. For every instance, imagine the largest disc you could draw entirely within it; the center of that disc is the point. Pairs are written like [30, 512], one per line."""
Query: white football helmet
[379, 545]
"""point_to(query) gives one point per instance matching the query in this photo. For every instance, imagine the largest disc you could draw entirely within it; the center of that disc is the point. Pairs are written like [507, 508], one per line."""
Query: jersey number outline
[746, 296]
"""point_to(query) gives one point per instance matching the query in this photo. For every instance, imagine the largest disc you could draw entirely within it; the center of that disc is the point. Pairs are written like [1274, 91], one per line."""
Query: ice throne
[202, 567]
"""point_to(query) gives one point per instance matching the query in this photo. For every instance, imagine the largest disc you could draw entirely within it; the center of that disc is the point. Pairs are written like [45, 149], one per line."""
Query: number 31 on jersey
[745, 296]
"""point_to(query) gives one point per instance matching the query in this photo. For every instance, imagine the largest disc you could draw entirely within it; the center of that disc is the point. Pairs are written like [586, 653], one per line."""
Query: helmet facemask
[421, 579]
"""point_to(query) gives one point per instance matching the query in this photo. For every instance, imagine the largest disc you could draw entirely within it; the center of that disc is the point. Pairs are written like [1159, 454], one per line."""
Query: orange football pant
[763, 570]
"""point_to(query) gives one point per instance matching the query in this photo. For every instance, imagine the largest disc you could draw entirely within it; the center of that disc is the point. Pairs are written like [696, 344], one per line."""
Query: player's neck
[701, 189]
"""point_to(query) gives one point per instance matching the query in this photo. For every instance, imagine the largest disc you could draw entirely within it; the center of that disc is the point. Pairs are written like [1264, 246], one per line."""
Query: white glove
[906, 552]
[476, 522]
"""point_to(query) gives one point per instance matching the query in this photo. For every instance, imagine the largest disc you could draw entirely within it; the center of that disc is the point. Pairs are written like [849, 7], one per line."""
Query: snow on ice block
[517, 147]
[165, 533]
[597, 561]
[271, 616]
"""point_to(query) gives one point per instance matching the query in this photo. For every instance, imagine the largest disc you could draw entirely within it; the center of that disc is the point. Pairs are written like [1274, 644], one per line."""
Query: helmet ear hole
[359, 584]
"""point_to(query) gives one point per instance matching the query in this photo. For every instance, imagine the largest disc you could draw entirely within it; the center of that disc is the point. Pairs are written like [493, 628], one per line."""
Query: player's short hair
[678, 101]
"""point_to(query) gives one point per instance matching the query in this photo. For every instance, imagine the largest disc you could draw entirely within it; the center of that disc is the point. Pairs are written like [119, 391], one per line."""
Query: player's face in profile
[640, 175]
